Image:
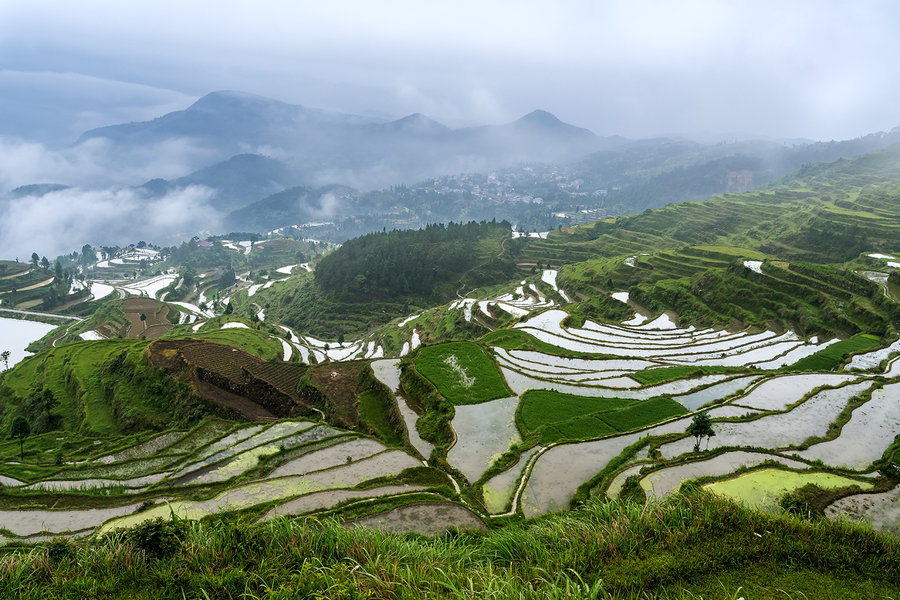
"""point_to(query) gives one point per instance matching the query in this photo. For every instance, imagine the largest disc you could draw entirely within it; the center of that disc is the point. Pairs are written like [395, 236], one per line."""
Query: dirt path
[37, 285]
[14, 275]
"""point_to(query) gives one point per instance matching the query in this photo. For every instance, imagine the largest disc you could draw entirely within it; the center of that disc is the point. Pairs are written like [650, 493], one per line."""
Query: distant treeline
[415, 263]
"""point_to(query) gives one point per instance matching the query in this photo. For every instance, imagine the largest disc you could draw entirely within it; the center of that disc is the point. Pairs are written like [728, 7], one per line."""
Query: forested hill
[416, 263]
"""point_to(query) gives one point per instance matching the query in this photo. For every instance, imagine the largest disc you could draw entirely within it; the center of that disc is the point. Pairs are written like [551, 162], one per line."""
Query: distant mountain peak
[230, 99]
[541, 121]
[417, 123]
[36, 189]
[540, 117]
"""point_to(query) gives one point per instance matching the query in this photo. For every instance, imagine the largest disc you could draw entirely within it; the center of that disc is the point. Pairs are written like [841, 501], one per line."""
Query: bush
[158, 537]
[60, 549]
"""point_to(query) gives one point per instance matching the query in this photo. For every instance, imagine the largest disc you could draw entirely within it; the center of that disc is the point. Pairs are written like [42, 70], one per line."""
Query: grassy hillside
[96, 387]
[825, 213]
[687, 547]
[110, 387]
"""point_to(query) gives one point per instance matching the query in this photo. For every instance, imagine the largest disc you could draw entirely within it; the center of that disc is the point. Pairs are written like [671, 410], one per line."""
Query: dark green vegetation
[700, 427]
[462, 372]
[686, 547]
[556, 416]
[418, 263]
[381, 276]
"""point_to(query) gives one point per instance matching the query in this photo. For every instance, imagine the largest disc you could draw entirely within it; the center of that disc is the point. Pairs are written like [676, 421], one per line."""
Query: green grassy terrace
[556, 416]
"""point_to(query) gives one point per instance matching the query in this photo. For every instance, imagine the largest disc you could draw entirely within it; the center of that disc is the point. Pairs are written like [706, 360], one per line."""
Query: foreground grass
[686, 547]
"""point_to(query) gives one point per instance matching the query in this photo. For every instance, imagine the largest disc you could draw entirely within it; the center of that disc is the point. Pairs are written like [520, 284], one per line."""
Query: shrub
[158, 537]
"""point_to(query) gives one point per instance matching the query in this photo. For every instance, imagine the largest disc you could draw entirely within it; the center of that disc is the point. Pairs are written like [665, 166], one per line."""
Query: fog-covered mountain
[321, 147]
[235, 161]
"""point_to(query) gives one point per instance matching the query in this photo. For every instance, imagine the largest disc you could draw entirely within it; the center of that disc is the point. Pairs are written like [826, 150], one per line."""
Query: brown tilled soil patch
[232, 378]
[157, 318]
[250, 410]
[340, 382]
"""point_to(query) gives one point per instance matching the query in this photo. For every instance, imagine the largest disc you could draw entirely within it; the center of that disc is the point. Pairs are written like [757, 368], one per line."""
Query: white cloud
[60, 222]
[698, 64]
[94, 164]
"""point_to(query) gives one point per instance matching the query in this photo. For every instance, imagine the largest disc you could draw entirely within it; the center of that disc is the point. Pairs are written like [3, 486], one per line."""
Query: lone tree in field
[20, 429]
[700, 427]
[4, 356]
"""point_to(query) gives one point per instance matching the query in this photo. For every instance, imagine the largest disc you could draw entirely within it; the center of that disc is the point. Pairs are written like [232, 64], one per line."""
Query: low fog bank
[62, 221]
[96, 163]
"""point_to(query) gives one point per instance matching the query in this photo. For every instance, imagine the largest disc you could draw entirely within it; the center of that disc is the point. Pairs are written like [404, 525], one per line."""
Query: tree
[20, 429]
[4, 356]
[228, 278]
[45, 264]
[701, 427]
[38, 409]
[35, 259]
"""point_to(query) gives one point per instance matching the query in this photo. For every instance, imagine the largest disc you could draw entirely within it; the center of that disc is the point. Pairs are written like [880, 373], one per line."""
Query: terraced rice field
[388, 372]
[810, 419]
[881, 510]
[588, 392]
[780, 392]
[319, 500]
[334, 456]
[665, 481]
[561, 469]
[660, 341]
[149, 287]
[866, 436]
[462, 372]
[764, 488]
[483, 432]
[718, 391]
[499, 489]
[27, 523]
[259, 492]
[871, 360]
[429, 518]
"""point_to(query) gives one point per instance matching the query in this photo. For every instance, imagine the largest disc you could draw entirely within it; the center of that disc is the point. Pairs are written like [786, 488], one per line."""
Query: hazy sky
[819, 69]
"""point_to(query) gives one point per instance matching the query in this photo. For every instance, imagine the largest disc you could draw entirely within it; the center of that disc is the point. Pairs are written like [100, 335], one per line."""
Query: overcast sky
[818, 69]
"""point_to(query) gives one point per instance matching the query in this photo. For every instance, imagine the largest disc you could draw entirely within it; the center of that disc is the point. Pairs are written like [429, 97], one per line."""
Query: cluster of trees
[31, 414]
[58, 291]
[403, 263]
